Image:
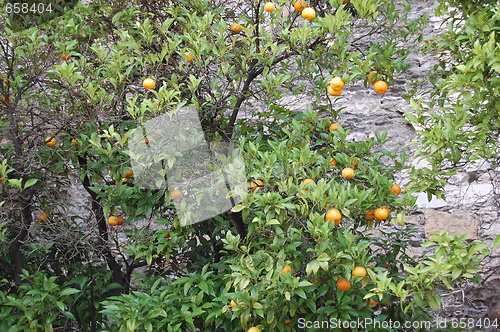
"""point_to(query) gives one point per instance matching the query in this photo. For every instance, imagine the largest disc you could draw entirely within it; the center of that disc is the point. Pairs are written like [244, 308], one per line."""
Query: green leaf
[69, 291]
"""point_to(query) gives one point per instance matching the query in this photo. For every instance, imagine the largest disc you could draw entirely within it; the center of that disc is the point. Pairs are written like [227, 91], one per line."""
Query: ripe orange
[1, 179]
[74, 142]
[332, 92]
[148, 83]
[253, 329]
[359, 272]
[43, 216]
[167, 236]
[333, 162]
[345, 1]
[113, 221]
[189, 56]
[348, 173]
[65, 56]
[334, 126]
[395, 189]
[236, 27]
[354, 164]
[309, 182]
[120, 220]
[382, 213]
[128, 173]
[176, 194]
[369, 215]
[314, 281]
[50, 142]
[287, 268]
[333, 214]
[256, 185]
[380, 87]
[299, 5]
[337, 83]
[308, 13]
[372, 77]
[343, 285]
[372, 303]
[269, 7]
[232, 304]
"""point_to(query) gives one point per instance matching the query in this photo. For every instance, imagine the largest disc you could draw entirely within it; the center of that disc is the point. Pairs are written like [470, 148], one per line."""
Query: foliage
[77, 78]
[458, 117]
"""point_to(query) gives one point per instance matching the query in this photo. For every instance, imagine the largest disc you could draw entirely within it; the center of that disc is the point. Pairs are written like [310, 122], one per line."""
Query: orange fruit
[120, 220]
[176, 194]
[299, 5]
[314, 281]
[43, 216]
[348, 173]
[334, 126]
[167, 236]
[359, 272]
[345, 1]
[256, 185]
[269, 7]
[50, 142]
[372, 303]
[309, 182]
[65, 56]
[232, 304]
[354, 164]
[308, 13]
[332, 92]
[343, 285]
[253, 329]
[395, 189]
[371, 77]
[382, 213]
[333, 214]
[337, 83]
[287, 268]
[113, 221]
[1, 179]
[74, 142]
[236, 27]
[380, 87]
[148, 83]
[128, 173]
[369, 215]
[189, 56]
[333, 162]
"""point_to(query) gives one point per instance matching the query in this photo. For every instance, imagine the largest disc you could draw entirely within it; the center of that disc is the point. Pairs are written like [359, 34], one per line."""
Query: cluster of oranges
[308, 13]
[337, 84]
[114, 221]
[381, 213]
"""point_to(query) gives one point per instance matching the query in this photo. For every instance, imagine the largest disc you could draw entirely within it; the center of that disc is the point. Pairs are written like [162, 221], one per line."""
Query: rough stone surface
[454, 223]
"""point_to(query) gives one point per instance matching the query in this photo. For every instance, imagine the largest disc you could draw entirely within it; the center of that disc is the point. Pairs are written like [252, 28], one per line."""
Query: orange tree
[75, 82]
